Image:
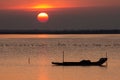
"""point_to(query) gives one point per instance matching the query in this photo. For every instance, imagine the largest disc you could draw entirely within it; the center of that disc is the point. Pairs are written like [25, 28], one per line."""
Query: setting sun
[42, 17]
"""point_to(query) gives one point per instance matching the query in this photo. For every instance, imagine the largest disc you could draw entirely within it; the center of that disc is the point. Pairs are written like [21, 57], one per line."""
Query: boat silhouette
[82, 62]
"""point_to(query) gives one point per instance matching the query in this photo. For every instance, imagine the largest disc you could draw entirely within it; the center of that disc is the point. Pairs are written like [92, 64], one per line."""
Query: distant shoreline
[60, 32]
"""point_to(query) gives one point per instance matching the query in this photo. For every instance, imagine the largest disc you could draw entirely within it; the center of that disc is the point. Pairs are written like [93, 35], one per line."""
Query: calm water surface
[16, 50]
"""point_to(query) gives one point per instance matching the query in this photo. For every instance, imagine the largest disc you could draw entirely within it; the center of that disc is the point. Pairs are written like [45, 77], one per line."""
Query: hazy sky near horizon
[91, 14]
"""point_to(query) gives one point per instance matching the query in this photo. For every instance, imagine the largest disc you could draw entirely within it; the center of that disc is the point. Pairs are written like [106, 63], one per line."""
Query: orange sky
[4, 4]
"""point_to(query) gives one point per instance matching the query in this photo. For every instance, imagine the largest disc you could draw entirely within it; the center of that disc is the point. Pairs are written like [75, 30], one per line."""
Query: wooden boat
[81, 63]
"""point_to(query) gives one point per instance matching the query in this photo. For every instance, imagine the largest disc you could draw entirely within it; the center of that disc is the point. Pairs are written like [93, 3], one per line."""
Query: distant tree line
[114, 31]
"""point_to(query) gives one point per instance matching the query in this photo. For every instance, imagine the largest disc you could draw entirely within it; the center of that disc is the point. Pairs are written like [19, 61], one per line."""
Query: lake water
[29, 57]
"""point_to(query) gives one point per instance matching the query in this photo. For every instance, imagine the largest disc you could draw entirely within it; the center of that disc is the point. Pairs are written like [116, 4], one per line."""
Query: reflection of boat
[81, 63]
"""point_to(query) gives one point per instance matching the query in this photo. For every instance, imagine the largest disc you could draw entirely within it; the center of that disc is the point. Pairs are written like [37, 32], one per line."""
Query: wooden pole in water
[107, 58]
[63, 56]
[29, 60]
[106, 54]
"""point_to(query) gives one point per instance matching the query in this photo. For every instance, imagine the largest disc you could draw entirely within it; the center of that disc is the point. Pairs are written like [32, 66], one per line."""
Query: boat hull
[75, 64]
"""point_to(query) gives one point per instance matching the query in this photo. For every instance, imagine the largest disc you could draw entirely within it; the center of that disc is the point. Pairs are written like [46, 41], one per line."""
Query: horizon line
[100, 31]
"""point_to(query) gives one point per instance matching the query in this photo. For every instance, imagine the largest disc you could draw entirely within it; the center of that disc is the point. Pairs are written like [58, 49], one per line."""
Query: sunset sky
[56, 3]
[63, 14]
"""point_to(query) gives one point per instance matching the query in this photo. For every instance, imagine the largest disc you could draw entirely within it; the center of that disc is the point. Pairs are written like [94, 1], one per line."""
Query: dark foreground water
[29, 57]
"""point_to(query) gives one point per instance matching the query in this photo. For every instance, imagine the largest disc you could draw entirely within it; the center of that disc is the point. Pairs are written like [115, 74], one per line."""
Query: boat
[82, 63]
[100, 62]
